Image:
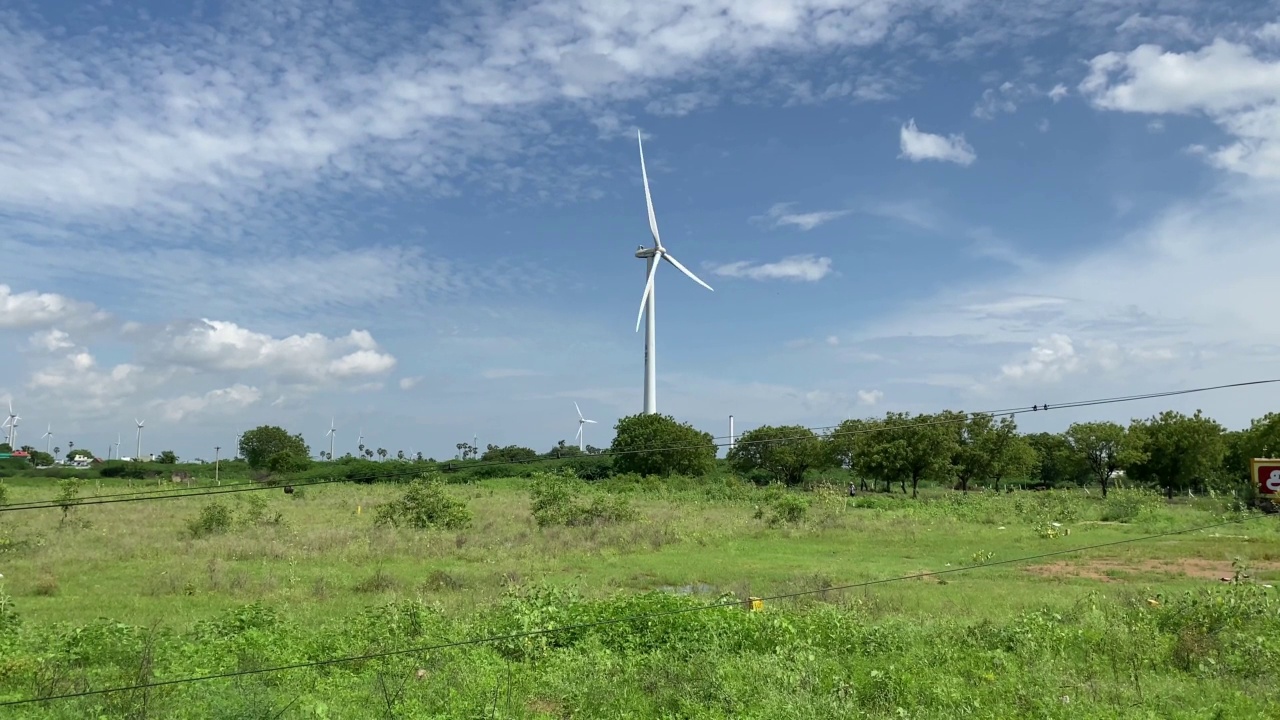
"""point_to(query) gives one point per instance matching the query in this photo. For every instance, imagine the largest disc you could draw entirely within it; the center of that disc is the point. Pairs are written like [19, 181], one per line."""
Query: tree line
[1172, 451]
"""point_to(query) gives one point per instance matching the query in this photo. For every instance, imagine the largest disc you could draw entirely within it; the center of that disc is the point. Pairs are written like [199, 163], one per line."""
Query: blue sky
[215, 215]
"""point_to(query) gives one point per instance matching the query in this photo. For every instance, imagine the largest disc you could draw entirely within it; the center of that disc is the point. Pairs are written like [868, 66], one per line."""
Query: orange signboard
[1266, 473]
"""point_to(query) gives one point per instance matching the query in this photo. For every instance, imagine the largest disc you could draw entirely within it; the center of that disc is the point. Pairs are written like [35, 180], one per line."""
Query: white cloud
[780, 214]
[869, 397]
[1043, 125]
[1224, 80]
[51, 340]
[36, 309]
[918, 145]
[225, 346]
[1058, 92]
[229, 399]
[1048, 361]
[804, 268]
[408, 383]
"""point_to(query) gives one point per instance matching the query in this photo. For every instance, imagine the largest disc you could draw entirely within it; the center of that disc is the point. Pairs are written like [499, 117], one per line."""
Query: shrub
[425, 505]
[786, 508]
[68, 491]
[556, 501]
[121, 469]
[4, 494]
[214, 518]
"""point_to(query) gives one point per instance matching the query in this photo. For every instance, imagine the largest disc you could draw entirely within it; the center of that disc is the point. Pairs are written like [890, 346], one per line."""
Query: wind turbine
[117, 446]
[48, 440]
[581, 423]
[652, 256]
[332, 432]
[13, 428]
[137, 455]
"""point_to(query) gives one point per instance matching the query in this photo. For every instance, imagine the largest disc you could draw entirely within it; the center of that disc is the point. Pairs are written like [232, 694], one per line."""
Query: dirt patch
[1114, 570]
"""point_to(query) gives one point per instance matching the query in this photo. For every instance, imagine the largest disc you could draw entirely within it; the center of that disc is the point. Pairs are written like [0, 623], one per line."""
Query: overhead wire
[449, 467]
[619, 621]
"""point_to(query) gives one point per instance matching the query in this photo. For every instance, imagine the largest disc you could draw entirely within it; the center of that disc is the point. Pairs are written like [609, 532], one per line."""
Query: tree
[652, 444]
[562, 449]
[1103, 447]
[784, 452]
[903, 447]
[257, 446]
[79, 452]
[39, 458]
[974, 454]
[288, 461]
[1174, 451]
[1014, 455]
[168, 457]
[6, 448]
[508, 454]
[1057, 463]
[848, 444]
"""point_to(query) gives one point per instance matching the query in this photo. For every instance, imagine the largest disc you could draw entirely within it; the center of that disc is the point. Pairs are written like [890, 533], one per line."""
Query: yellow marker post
[755, 604]
[357, 509]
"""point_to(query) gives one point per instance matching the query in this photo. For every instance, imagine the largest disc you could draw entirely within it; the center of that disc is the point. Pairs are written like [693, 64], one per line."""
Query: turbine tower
[48, 440]
[652, 257]
[581, 424]
[117, 446]
[137, 455]
[332, 432]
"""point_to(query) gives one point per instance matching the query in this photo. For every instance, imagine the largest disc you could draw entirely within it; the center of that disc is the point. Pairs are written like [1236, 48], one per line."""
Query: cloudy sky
[215, 215]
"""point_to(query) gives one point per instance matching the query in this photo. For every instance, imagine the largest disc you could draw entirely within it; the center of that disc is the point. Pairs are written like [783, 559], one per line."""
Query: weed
[214, 518]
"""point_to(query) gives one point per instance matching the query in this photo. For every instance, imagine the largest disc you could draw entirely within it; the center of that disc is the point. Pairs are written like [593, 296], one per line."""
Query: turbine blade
[593, 422]
[575, 407]
[648, 199]
[648, 289]
[685, 270]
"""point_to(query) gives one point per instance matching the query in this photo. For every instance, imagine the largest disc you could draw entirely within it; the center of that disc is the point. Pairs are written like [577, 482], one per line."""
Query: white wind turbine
[332, 433]
[48, 440]
[12, 422]
[581, 425]
[137, 455]
[117, 446]
[652, 256]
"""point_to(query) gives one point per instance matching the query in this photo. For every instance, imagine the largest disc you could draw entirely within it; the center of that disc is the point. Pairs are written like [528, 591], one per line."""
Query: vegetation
[269, 444]
[684, 449]
[1182, 625]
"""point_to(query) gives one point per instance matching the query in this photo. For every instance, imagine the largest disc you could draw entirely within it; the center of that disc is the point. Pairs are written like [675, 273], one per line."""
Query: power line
[618, 621]
[952, 419]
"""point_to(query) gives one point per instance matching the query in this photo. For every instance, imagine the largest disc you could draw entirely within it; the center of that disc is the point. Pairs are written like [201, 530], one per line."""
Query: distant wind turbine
[12, 423]
[332, 432]
[652, 256]
[137, 455]
[48, 440]
[582, 422]
[117, 446]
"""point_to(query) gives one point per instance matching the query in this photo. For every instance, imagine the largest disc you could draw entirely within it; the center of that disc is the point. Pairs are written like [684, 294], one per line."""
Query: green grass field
[118, 594]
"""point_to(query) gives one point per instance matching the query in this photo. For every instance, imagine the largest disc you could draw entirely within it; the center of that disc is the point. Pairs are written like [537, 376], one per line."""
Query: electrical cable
[617, 621]
[448, 467]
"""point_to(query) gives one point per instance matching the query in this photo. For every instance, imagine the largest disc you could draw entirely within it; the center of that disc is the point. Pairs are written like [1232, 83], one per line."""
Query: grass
[326, 580]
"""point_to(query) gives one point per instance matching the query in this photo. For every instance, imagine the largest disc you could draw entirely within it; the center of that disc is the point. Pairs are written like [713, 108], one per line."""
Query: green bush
[425, 505]
[214, 518]
[556, 500]
[786, 509]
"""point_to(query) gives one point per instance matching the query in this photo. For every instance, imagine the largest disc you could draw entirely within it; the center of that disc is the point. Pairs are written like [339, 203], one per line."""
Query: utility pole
[216, 450]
